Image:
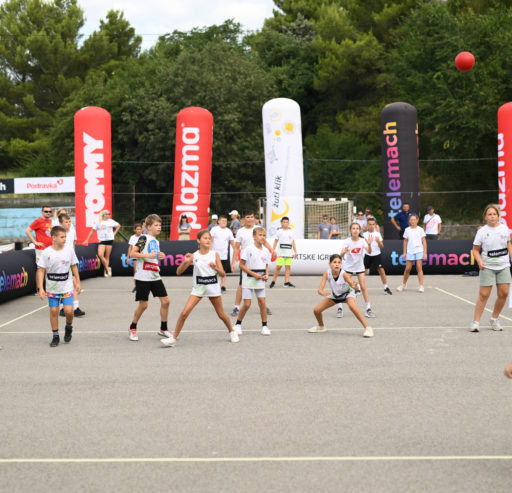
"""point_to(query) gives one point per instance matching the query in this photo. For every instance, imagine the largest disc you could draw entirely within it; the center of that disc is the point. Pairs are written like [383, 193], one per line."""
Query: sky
[152, 18]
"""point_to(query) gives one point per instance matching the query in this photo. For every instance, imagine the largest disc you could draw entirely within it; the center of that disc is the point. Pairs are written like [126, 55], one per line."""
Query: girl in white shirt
[207, 269]
[492, 251]
[353, 252]
[415, 251]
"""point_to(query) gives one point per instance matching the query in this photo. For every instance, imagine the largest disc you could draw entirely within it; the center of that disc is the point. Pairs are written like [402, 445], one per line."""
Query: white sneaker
[317, 328]
[164, 333]
[133, 335]
[339, 313]
[401, 287]
[495, 325]
[234, 336]
[474, 327]
[421, 289]
[265, 331]
[169, 341]
[237, 329]
[368, 332]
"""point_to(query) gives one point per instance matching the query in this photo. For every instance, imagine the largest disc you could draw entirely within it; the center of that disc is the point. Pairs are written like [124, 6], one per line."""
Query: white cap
[234, 211]
[214, 216]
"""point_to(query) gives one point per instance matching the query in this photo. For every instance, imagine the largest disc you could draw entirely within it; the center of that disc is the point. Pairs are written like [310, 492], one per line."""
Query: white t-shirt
[361, 222]
[59, 279]
[285, 240]
[71, 237]
[206, 279]
[133, 240]
[244, 237]
[414, 236]
[339, 287]
[257, 261]
[494, 249]
[432, 224]
[147, 269]
[221, 238]
[105, 229]
[354, 258]
[375, 246]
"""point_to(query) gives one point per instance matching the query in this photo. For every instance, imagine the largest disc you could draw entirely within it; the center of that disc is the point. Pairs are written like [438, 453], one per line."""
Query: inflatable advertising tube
[505, 162]
[284, 175]
[93, 168]
[192, 170]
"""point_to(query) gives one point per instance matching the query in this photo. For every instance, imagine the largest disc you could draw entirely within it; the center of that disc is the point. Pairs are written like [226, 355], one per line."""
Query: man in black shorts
[373, 261]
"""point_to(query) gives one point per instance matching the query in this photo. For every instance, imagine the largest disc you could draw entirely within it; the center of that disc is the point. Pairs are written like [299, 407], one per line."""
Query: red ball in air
[464, 61]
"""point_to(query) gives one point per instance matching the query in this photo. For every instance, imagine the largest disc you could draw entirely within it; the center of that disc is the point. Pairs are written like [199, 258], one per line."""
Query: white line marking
[23, 316]
[469, 302]
[127, 460]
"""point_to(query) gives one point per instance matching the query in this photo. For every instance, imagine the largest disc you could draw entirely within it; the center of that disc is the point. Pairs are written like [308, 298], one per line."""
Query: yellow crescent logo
[275, 216]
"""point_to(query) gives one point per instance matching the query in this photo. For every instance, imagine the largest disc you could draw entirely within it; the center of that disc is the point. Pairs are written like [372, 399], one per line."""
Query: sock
[385, 286]
[163, 326]
[75, 305]
[68, 325]
[55, 333]
[494, 319]
[340, 306]
[478, 323]
[263, 323]
[237, 307]
[367, 305]
[239, 322]
[133, 326]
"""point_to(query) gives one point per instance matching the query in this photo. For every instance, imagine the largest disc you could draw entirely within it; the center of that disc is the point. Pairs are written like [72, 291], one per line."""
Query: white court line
[128, 460]
[23, 316]
[468, 301]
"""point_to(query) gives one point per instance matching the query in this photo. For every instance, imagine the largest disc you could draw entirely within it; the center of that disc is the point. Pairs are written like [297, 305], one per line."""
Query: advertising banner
[505, 162]
[93, 168]
[6, 185]
[17, 274]
[65, 184]
[400, 164]
[192, 170]
[284, 175]
[89, 264]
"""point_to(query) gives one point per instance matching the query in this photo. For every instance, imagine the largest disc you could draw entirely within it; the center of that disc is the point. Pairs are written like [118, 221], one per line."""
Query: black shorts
[107, 242]
[226, 265]
[373, 261]
[240, 283]
[354, 273]
[143, 288]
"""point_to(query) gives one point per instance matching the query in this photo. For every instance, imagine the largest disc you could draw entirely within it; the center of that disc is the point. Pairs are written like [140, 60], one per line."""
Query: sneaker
[369, 313]
[317, 328]
[421, 289]
[233, 336]
[110, 272]
[387, 291]
[289, 285]
[164, 333]
[105, 274]
[272, 284]
[474, 327]
[269, 311]
[61, 313]
[495, 325]
[223, 289]
[235, 312]
[134, 289]
[368, 332]
[68, 331]
[133, 335]
[55, 341]
[265, 331]
[169, 341]
[401, 287]
[339, 313]
[237, 329]
[79, 313]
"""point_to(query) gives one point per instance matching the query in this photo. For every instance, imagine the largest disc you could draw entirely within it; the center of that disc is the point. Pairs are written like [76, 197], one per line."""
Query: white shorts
[206, 290]
[247, 293]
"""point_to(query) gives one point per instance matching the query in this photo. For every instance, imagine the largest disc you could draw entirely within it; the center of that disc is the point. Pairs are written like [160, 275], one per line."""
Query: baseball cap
[234, 211]
[429, 208]
[214, 216]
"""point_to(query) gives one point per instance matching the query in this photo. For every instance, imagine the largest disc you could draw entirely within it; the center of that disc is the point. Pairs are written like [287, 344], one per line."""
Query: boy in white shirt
[287, 251]
[222, 238]
[374, 259]
[59, 265]
[254, 265]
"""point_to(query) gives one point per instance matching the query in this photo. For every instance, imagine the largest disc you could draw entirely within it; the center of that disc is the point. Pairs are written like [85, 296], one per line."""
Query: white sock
[367, 305]
[385, 286]
[75, 305]
[494, 319]
[340, 306]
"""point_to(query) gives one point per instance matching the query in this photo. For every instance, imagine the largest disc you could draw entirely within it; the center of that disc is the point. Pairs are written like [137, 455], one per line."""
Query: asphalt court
[422, 405]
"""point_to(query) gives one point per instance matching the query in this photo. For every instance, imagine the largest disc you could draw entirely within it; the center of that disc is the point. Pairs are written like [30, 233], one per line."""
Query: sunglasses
[360, 214]
[47, 212]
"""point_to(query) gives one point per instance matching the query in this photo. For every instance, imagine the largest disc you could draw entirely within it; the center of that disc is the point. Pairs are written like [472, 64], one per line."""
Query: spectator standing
[42, 227]
[401, 220]
[184, 228]
[235, 222]
[215, 222]
[335, 230]
[361, 220]
[432, 224]
[324, 228]
[222, 238]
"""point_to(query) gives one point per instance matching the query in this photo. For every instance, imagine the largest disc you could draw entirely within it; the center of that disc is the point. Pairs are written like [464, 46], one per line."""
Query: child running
[287, 251]
[374, 259]
[147, 276]
[254, 265]
[353, 252]
[207, 268]
[134, 238]
[58, 263]
[342, 291]
[415, 251]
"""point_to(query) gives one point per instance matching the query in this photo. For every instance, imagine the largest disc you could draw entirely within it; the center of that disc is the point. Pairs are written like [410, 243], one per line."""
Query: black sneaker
[68, 333]
[272, 284]
[289, 285]
[223, 289]
[55, 341]
[61, 313]
[79, 313]
[387, 291]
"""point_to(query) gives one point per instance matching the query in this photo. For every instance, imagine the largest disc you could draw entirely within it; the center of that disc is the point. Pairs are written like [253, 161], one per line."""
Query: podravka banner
[192, 170]
[284, 175]
[505, 162]
[93, 168]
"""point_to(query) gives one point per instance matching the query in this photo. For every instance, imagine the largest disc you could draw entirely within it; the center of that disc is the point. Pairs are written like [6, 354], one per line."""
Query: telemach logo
[93, 173]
